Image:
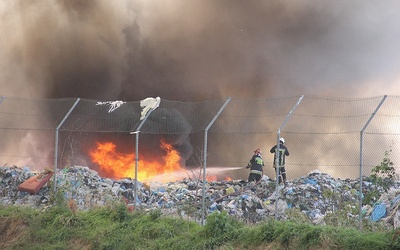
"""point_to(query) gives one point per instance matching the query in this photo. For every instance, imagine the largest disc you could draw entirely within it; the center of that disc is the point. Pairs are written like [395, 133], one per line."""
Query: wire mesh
[322, 133]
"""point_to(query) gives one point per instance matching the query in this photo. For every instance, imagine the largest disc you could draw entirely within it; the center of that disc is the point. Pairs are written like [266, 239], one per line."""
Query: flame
[211, 178]
[117, 165]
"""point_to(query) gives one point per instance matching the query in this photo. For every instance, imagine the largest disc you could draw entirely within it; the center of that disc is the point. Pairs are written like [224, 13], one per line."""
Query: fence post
[205, 158]
[277, 154]
[137, 131]
[56, 141]
[361, 159]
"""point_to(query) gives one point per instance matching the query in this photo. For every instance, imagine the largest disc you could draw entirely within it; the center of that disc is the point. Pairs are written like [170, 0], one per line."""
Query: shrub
[383, 177]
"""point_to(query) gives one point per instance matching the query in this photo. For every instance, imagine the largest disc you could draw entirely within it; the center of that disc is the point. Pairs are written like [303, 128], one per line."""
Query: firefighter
[256, 165]
[283, 152]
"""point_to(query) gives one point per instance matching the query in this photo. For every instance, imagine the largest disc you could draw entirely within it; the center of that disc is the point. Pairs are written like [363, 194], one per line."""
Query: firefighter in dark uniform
[283, 152]
[256, 165]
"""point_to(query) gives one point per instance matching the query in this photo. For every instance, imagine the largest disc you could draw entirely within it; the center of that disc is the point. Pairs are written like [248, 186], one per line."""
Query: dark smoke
[196, 50]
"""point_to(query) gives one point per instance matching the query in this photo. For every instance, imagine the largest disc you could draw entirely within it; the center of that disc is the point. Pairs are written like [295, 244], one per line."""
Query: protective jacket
[283, 151]
[256, 164]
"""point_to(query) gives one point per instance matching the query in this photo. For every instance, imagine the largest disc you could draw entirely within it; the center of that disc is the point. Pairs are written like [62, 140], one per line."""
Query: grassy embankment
[114, 227]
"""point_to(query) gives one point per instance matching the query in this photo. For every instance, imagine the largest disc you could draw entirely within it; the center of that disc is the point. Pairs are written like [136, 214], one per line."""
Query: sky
[188, 50]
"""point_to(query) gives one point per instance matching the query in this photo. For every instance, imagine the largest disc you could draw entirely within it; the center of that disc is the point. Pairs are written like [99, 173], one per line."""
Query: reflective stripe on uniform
[256, 172]
[259, 160]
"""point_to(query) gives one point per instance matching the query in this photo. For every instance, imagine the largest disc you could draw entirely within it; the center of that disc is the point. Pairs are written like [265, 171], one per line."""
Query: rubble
[315, 195]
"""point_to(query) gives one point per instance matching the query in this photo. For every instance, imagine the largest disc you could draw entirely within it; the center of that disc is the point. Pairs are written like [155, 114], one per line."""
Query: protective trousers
[281, 173]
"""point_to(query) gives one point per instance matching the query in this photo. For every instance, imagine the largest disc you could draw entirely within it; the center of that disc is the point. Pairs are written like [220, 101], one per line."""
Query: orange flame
[117, 165]
[211, 178]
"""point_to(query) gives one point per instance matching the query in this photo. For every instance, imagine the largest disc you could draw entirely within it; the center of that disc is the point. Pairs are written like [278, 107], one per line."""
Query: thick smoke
[196, 50]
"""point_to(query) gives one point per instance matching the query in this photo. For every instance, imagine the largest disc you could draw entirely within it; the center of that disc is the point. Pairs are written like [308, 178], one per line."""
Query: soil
[11, 231]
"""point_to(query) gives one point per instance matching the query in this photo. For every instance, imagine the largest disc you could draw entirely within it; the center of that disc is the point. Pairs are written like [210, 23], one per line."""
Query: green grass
[114, 227]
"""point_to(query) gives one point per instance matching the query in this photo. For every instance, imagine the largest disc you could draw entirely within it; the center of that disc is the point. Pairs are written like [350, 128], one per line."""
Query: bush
[221, 227]
[383, 174]
[383, 177]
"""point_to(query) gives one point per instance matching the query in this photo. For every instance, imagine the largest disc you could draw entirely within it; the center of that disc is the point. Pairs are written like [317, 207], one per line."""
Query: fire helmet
[282, 140]
[257, 151]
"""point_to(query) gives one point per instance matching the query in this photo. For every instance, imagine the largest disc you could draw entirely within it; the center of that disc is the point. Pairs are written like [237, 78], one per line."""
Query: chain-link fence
[337, 136]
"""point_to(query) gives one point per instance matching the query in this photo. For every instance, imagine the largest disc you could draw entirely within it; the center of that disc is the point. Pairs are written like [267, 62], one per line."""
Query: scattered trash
[148, 104]
[379, 212]
[315, 195]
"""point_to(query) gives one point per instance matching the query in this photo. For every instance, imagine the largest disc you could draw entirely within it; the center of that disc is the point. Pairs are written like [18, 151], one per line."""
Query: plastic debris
[315, 195]
[379, 212]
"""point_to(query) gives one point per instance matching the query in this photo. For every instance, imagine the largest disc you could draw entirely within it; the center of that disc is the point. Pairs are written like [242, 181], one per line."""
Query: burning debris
[315, 195]
[117, 165]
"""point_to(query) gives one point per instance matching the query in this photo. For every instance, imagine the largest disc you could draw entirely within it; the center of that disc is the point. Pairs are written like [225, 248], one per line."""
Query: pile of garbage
[314, 195]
